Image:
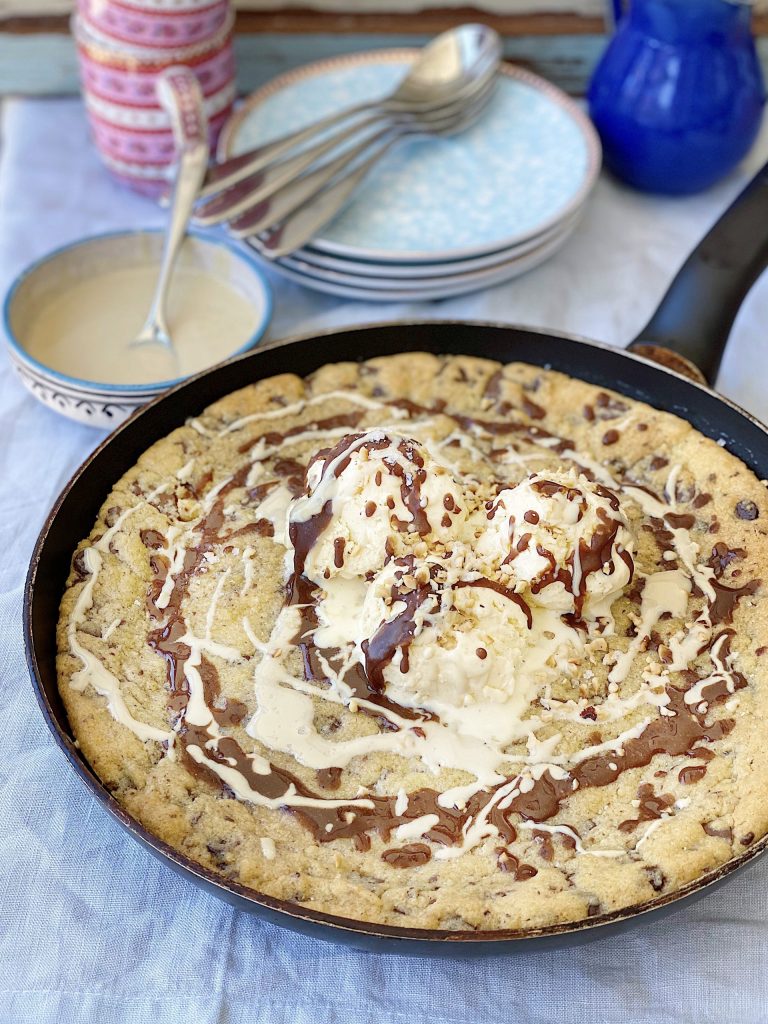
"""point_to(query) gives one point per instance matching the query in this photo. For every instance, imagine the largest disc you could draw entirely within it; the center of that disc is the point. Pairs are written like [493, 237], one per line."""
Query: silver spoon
[255, 189]
[305, 190]
[452, 61]
[179, 93]
[303, 223]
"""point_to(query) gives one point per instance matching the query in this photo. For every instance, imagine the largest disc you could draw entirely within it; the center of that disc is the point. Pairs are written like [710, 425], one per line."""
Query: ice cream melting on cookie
[440, 595]
[564, 537]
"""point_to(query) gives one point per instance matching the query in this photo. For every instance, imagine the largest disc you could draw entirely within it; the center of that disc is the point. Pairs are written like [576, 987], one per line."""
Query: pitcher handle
[615, 11]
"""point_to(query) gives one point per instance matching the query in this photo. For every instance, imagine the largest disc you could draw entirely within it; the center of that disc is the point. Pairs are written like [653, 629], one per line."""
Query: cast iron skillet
[693, 320]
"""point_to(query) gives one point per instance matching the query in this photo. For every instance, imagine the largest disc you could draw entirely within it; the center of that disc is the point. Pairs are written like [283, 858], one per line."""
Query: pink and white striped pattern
[160, 26]
[123, 46]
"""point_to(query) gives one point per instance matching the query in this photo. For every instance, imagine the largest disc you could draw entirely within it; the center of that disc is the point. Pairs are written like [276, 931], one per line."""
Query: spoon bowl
[452, 62]
[267, 189]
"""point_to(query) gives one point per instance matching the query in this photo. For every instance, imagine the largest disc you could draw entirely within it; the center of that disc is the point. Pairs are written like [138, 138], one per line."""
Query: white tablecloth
[92, 928]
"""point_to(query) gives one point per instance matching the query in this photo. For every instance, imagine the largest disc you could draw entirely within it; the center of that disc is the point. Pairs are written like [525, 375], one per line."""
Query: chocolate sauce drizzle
[363, 681]
[274, 438]
[651, 807]
[676, 734]
[595, 555]
[499, 588]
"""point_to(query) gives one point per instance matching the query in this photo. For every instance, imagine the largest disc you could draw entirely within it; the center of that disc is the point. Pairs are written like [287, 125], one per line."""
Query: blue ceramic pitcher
[678, 95]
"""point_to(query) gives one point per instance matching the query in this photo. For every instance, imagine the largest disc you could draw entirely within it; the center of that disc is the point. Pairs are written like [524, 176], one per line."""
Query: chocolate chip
[79, 566]
[719, 833]
[410, 856]
[691, 774]
[657, 878]
[112, 515]
[329, 778]
[533, 410]
[217, 848]
[747, 510]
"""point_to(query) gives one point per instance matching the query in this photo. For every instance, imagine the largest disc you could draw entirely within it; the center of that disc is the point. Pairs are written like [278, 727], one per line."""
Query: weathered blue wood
[565, 60]
[37, 64]
[43, 64]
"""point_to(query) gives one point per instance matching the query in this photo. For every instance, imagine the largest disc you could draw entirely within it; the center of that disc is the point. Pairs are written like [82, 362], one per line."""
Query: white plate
[404, 272]
[424, 289]
[527, 164]
[476, 277]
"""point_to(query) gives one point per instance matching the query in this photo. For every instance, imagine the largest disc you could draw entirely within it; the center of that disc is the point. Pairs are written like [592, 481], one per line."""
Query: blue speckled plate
[527, 164]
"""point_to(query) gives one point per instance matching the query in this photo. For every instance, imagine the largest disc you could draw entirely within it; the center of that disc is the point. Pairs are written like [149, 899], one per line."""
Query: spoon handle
[303, 224]
[231, 171]
[303, 221]
[256, 188]
[179, 93]
[261, 216]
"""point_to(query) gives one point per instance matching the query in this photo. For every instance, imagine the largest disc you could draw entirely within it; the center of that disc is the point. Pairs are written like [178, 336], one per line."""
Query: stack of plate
[437, 217]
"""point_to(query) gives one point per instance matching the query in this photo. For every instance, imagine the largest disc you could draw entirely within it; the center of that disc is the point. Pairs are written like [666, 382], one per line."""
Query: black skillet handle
[697, 312]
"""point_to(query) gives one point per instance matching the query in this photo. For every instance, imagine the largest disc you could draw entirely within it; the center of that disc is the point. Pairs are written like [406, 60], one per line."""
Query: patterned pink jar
[130, 128]
[132, 83]
[153, 146]
[156, 24]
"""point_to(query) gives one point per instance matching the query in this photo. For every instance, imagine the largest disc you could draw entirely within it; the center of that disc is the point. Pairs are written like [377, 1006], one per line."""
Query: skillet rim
[285, 912]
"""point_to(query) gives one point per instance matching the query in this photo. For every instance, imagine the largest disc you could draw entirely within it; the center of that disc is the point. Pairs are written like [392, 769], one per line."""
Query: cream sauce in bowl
[75, 313]
[85, 330]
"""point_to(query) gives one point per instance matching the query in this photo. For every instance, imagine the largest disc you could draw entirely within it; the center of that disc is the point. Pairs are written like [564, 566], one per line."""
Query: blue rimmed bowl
[97, 403]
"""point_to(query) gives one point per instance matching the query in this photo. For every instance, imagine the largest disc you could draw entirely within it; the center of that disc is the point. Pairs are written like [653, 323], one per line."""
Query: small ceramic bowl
[106, 405]
[145, 24]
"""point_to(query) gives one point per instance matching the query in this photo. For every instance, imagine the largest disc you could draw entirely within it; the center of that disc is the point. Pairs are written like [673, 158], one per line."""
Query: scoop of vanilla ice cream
[380, 487]
[562, 538]
[465, 654]
[353, 609]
